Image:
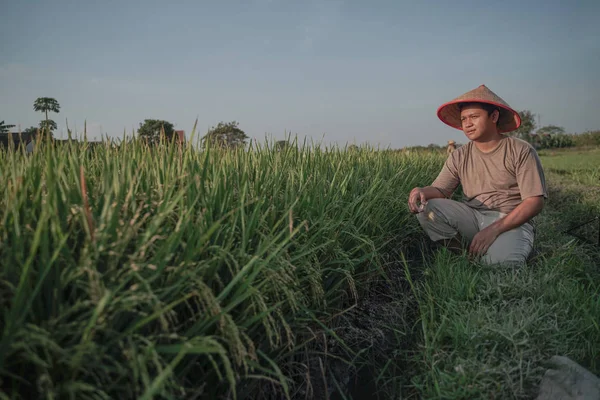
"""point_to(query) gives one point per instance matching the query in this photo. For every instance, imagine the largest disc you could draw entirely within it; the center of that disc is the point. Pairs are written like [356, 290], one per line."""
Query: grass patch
[488, 333]
[578, 166]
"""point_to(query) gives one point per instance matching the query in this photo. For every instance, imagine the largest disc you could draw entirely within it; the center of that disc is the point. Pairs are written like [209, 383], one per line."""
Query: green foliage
[47, 125]
[152, 130]
[45, 104]
[132, 272]
[505, 322]
[551, 130]
[558, 141]
[160, 274]
[32, 131]
[547, 137]
[581, 167]
[282, 145]
[528, 124]
[550, 141]
[590, 138]
[430, 148]
[5, 128]
[225, 135]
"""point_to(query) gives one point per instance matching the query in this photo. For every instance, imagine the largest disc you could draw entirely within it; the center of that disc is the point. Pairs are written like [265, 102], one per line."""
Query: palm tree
[45, 104]
[5, 128]
[48, 125]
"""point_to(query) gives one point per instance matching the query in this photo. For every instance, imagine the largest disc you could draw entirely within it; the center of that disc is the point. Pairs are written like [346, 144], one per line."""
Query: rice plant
[131, 271]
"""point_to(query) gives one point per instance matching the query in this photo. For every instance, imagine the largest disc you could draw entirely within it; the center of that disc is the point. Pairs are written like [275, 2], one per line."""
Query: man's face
[476, 123]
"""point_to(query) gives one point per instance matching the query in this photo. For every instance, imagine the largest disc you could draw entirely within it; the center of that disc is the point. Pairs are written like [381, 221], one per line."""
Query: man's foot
[455, 245]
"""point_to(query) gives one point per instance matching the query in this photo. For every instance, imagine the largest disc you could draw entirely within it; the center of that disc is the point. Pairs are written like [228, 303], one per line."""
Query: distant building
[28, 140]
[17, 138]
[180, 136]
[451, 147]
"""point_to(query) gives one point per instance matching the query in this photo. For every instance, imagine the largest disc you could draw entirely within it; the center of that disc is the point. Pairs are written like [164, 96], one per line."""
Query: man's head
[494, 114]
[479, 121]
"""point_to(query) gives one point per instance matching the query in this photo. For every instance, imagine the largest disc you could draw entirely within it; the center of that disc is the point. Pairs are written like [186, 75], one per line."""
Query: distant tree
[559, 140]
[226, 135]
[551, 130]
[589, 138]
[281, 145]
[5, 128]
[45, 104]
[32, 131]
[527, 125]
[47, 125]
[152, 130]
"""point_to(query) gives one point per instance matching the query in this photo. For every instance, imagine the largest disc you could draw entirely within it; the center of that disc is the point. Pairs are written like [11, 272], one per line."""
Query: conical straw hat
[449, 112]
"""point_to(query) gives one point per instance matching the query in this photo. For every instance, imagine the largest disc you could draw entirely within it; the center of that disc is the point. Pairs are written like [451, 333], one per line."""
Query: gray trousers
[442, 219]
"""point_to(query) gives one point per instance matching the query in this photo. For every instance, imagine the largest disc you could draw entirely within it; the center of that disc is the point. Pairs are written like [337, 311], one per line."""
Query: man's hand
[416, 195]
[528, 209]
[483, 240]
[422, 195]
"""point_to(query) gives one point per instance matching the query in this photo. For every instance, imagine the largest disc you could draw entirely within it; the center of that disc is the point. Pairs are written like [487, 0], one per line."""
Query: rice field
[578, 166]
[136, 272]
[173, 273]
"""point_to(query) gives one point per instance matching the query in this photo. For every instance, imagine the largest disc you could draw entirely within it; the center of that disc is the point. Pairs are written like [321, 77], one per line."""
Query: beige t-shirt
[498, 180]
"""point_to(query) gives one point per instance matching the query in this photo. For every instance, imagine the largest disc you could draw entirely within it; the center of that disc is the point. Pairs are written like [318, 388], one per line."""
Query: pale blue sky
[350, 70]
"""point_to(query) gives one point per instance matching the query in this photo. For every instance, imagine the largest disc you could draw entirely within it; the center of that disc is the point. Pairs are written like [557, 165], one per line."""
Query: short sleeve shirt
[497, 180]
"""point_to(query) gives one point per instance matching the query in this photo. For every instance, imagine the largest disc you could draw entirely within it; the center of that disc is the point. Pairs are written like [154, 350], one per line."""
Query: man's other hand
[416, 196]
[483, 240]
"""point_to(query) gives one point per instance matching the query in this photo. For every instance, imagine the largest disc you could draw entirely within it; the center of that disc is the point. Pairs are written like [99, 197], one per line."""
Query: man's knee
[432, 211]
[515, 256]
[499, 259]
[437, 204]
[513, 247]
[437, 220]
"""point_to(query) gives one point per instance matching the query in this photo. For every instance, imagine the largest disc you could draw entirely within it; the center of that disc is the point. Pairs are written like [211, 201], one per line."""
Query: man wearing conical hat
[502, 180]
[451, 146]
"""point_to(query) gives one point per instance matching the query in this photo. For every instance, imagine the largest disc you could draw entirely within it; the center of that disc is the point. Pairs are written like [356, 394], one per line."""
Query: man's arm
[532, 185]
[442, 187]
[529, 208]
[432, 192]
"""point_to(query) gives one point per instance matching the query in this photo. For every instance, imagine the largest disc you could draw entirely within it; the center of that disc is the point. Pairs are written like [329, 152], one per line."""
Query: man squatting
[502, 179]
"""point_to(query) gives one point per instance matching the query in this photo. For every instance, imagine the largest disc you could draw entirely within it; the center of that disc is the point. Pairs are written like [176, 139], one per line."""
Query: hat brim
[449, 113]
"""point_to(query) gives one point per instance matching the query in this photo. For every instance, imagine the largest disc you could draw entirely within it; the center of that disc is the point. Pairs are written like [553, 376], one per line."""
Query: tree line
[225, 134]
[551, 136]
[230, 135]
